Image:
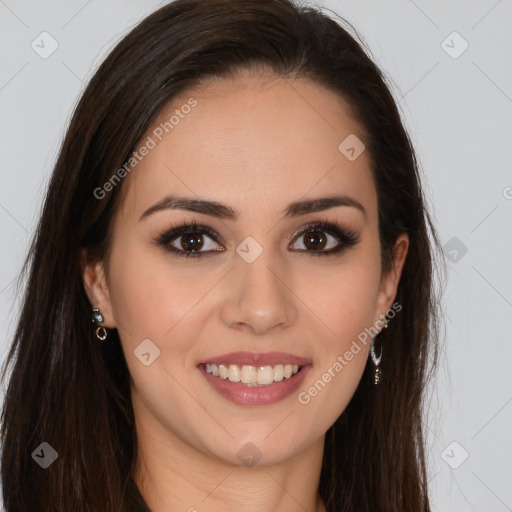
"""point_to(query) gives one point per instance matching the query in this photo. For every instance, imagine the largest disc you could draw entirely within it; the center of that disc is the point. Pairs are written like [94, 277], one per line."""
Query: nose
[259, 297]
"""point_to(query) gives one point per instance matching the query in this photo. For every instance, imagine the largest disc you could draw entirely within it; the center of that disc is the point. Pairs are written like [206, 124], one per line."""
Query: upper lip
[256, 359]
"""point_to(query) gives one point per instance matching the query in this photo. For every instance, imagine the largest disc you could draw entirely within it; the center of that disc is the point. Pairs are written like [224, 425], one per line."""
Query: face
[264, 275]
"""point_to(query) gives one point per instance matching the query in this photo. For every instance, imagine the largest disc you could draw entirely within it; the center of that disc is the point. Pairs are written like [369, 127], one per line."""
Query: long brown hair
[69, 391]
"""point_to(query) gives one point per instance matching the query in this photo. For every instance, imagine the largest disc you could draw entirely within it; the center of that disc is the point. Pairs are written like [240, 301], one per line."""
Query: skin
[255, 143]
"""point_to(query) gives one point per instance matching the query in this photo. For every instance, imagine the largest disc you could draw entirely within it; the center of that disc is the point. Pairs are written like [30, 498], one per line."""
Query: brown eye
[191, 241]
[315, 240]
[324, 238]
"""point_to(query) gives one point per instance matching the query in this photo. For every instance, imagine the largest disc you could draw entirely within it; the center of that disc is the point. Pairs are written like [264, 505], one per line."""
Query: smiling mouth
[249, 375]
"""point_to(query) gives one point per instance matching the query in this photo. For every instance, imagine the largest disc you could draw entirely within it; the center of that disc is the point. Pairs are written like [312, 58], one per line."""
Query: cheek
[149, 296]
[152, 300]
[341, 360]
[347, 308]
[344, 298]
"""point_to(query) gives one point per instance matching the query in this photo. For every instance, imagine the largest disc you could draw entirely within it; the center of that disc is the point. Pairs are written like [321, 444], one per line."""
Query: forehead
[252, 140]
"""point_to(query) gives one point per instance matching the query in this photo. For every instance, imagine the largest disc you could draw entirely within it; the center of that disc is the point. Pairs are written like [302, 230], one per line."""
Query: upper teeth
[253, 375]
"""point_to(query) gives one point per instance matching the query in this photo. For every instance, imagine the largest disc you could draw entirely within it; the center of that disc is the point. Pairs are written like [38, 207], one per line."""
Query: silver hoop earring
[97, 318]
[377, 377]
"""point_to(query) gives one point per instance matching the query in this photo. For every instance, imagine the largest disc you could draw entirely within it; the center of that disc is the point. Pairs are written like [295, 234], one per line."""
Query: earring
[97, 318]
[376, 360]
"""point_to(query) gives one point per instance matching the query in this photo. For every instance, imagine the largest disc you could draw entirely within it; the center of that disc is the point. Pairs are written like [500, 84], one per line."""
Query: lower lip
[241, 394]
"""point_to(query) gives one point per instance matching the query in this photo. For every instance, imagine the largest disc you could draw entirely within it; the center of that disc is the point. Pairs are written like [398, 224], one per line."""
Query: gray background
[458, 111]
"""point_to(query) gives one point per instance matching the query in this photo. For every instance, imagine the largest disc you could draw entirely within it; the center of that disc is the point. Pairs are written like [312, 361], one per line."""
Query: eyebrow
[222, 211]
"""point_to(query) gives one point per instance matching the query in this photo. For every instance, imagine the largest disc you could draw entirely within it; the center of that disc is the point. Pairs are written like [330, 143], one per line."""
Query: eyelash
[346, 238]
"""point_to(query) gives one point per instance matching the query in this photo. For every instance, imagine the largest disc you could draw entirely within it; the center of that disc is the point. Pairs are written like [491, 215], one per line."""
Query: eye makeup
[192, 234]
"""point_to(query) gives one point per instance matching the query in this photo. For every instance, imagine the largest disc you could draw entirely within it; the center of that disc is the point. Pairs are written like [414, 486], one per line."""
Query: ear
[389, 281]
[96, 288]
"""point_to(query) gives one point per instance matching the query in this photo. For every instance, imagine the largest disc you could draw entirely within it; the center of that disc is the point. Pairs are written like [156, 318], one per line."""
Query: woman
[281, 363]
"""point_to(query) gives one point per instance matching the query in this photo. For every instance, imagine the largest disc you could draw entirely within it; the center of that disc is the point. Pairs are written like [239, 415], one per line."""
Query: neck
[172, 475]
